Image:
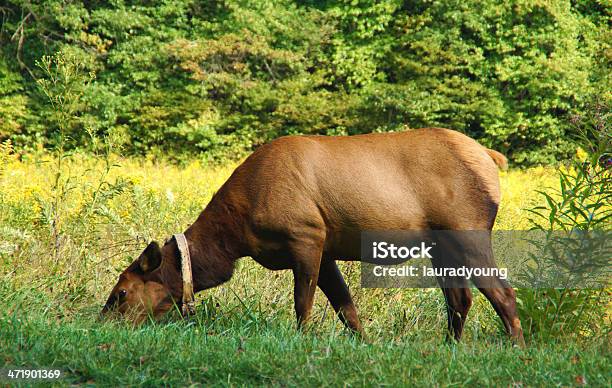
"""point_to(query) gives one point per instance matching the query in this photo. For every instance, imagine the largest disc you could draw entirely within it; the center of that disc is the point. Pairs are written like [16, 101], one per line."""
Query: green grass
[63, 245]
[242, 350]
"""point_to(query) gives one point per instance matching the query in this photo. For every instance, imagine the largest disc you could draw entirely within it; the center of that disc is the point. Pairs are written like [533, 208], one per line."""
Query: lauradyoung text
[450, 272]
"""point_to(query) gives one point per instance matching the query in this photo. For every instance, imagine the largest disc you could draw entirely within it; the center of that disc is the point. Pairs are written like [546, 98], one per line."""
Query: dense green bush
[219, 77]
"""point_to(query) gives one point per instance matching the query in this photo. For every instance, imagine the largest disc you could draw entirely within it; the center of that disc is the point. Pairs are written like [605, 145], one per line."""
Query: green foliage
[179, 78]
[554, 313]
[581, 205]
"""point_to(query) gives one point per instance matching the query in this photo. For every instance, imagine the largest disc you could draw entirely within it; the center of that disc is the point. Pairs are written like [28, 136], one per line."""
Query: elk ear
[151, 258]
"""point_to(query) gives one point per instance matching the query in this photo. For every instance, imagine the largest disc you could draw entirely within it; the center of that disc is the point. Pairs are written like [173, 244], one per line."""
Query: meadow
[69, 225]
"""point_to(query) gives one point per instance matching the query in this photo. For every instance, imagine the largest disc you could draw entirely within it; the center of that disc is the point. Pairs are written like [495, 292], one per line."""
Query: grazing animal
[300, 202]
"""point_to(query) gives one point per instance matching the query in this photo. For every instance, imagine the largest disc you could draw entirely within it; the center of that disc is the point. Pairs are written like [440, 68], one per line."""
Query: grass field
[66, 231]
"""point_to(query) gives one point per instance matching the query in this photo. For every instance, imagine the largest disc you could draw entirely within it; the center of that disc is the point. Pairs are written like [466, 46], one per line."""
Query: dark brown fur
[300, 202]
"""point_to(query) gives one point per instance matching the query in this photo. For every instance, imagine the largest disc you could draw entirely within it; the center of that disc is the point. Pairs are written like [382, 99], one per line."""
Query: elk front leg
[305, 276]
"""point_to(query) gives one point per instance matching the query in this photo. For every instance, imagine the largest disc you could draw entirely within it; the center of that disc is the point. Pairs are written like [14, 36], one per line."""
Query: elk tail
[498, 158]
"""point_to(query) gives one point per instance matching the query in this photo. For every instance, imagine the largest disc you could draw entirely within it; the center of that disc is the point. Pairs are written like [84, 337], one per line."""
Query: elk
[299, 203]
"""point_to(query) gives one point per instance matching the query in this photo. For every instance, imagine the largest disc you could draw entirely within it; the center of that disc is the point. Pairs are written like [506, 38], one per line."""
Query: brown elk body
[300, 203]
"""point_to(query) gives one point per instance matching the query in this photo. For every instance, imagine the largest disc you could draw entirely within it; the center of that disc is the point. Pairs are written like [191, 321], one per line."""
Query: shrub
[249, 71]
[581, 205]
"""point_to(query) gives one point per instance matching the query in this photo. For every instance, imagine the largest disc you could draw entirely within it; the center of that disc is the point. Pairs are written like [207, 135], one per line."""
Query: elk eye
[122, 294]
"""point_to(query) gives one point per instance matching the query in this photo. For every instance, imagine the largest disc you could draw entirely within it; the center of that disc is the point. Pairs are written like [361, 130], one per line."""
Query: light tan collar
[187, 302]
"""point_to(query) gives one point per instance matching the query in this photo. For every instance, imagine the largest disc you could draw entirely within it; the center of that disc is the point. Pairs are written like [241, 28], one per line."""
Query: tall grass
[109, 215]
[243, 332]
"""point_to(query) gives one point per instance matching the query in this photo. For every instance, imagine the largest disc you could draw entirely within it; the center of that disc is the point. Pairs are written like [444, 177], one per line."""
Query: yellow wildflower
[581, 154]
